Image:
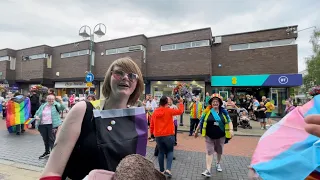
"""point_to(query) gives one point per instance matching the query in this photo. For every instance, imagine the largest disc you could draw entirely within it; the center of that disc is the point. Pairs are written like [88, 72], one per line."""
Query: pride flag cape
[18, 112]
[286, 150]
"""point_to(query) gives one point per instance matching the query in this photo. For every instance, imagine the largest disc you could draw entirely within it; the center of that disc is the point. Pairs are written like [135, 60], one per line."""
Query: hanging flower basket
[315, 91]
[183, 90]
[39, 89]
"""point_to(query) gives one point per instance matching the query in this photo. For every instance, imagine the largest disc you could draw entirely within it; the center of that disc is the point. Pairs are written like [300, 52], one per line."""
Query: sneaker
[151, 140]
[167, 173]
[219, 169]
[206, 173]
[44, 155]
[262, 128]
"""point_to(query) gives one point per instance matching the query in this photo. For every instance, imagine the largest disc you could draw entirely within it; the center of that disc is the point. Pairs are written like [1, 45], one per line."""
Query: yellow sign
[89, 84]
[234, 80]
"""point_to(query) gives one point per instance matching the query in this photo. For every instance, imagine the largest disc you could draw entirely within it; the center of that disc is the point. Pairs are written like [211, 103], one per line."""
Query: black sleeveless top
[85, 155]
[100, 148]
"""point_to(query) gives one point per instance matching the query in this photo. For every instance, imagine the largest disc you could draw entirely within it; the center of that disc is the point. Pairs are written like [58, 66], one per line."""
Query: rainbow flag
[18, 112]
[286, 150]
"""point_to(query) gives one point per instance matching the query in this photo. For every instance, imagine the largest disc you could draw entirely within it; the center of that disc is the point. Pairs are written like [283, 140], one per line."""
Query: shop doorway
[257, 92]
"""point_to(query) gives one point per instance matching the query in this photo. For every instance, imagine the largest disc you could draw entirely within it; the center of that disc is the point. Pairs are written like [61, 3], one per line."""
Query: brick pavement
[189, 153]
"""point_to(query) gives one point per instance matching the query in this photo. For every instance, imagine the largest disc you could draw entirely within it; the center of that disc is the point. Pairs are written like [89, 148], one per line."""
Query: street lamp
[85, 32]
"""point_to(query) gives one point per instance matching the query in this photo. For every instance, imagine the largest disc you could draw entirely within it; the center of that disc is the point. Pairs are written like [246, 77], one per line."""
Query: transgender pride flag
[286, 150]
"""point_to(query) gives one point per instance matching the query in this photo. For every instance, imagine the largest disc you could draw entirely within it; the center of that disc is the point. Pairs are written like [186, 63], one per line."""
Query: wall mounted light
[219, 65]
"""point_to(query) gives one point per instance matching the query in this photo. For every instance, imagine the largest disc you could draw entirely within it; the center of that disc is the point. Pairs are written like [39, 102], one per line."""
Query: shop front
[273, 86]
[77, 88]
[165, 88]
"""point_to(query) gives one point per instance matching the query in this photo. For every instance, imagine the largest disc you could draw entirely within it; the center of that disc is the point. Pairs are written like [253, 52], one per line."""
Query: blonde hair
[129, 66]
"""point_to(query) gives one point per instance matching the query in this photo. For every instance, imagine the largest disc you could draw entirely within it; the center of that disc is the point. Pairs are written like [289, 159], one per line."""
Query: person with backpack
[217, 128]
[270, 107]
[48, 120]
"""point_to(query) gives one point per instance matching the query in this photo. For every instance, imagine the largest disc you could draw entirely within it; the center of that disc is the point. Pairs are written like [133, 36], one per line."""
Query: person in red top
[162, 128]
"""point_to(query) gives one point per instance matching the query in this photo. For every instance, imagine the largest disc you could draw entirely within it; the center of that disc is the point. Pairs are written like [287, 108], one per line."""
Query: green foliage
[313, 63]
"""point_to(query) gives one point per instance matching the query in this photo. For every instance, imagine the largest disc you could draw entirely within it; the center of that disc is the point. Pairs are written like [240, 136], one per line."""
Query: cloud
[34, 22]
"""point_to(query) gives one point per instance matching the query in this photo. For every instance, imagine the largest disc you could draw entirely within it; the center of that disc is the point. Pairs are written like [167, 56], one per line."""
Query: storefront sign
[272, 80]
[171, 86]
[71, 85]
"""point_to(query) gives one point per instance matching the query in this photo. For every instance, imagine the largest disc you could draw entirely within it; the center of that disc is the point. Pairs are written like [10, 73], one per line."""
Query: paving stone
[188, 165]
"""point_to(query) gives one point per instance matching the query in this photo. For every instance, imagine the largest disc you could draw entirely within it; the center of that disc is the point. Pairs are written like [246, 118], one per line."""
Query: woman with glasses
[78, 148]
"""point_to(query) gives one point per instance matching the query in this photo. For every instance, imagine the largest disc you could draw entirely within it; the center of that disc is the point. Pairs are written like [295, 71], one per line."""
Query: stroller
[244, 120]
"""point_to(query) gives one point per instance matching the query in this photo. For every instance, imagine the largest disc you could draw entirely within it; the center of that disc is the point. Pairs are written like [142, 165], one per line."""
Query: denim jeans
[165, 145]
[193, 125]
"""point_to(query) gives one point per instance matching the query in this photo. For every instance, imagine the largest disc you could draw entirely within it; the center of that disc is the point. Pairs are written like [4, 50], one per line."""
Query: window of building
[75, 53]
[35, 56]
[265, 44]
[125, 49]
[185, 45]
[168, 47]
[4, 58]
[111, 51]
[200, 43]
[282, 42]
[236, 47]
[259, 45]
[13, 63]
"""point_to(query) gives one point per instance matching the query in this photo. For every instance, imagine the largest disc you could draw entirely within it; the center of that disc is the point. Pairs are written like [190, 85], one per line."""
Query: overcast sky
[27, 23]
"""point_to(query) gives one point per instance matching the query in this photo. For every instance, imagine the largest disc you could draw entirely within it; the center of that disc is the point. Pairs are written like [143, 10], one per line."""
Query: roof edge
[181, 32]
[261, 30]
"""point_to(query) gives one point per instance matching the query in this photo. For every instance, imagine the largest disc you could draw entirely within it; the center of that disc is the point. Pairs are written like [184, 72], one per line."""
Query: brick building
[260, 63]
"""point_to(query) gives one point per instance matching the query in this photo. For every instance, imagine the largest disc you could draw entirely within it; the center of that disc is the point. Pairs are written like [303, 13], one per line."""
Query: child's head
[244, 113]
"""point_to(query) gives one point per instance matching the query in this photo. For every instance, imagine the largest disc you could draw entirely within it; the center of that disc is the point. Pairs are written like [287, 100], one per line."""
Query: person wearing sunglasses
[76, 151]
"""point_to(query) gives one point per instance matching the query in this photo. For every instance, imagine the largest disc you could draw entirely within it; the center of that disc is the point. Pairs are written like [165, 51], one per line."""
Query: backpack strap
[57, 108]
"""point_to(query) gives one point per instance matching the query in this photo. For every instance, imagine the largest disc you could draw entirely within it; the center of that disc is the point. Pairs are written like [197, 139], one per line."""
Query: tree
[313, 63]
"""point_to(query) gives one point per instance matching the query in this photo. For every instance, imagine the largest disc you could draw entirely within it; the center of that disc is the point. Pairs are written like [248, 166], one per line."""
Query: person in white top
[175, 118]
[151, 105]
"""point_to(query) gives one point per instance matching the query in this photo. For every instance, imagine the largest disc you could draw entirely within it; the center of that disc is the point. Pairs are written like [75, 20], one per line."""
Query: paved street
[190, 154]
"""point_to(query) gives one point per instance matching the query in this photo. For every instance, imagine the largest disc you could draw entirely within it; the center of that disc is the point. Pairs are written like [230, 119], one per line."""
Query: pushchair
[244, 120]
